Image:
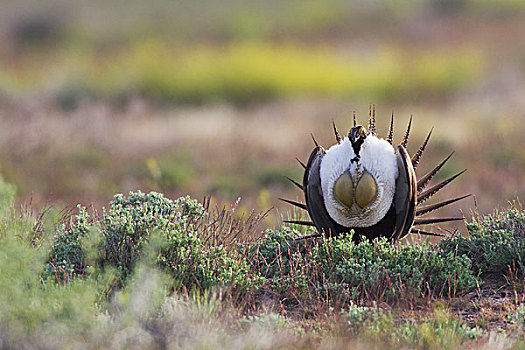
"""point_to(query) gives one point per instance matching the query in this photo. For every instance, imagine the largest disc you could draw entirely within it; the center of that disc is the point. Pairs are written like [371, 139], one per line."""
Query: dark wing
[405, 198]
[313, 195]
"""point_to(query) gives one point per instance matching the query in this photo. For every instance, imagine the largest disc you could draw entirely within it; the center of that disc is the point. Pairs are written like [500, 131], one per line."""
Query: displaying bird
[365, 184]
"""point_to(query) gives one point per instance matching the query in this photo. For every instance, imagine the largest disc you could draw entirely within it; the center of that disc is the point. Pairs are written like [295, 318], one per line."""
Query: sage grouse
[363, 183]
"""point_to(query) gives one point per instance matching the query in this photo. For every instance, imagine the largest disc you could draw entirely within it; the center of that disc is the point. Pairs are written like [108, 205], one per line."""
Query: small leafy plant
[496, 243]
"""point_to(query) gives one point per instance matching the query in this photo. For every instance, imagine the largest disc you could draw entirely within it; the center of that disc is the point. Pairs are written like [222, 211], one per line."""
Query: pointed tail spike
[425, 233]
[417, 156]
[295, 183]
[369, 120]
[315, 142]
[302, 164]
[390, 135]
[407, 133]
[337, 136]
[374, 131]
[355, 122]
[435, 220]
[372, 120]
[300, 222]
[422, 182]
[436, 188]
[430, 208]
[294, 203]
[315, 235]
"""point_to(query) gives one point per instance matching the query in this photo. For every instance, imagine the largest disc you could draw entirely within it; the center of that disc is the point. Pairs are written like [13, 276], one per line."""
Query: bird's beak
[351, 137]
[354, 134]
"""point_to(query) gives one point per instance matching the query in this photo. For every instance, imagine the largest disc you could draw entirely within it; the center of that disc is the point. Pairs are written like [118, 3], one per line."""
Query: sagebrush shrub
[126, 231]
[337, 268]
[292, 270]
[67, 259]
[194, 264]
[128, 223]
[496, 242]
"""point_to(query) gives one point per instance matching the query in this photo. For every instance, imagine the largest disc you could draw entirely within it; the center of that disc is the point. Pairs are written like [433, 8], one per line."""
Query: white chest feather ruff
[377, 157]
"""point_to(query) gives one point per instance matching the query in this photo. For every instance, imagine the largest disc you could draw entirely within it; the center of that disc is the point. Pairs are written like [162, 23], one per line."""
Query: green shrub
[496, 243]
[337, 268]
[126, 233]
[192, 264]
[271, 255]
[67, 260]
[128, 223]
[193, 251]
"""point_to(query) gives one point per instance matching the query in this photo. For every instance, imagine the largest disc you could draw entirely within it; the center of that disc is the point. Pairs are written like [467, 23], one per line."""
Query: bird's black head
[357, 136]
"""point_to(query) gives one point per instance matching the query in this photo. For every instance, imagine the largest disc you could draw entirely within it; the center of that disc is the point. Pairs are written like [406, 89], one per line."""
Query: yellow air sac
[366, 190]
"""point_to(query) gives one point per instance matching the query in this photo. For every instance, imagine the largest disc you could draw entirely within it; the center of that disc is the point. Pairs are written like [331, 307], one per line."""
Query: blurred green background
[219, 97]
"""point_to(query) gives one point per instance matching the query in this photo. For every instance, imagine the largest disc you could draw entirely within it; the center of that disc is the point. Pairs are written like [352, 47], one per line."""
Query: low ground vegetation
[151, 272]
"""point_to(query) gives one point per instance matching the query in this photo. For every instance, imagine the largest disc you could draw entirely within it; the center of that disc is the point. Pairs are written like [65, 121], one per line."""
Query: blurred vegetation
[257, 71]
[254, 51]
